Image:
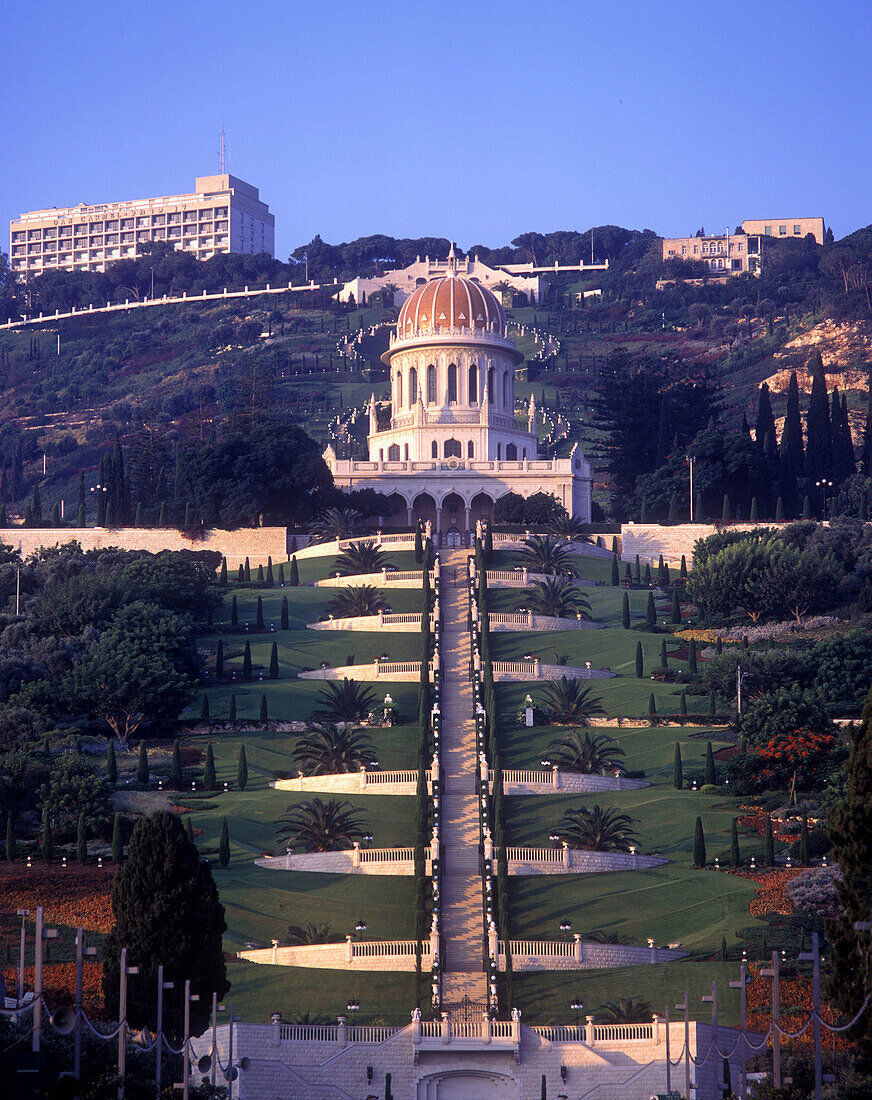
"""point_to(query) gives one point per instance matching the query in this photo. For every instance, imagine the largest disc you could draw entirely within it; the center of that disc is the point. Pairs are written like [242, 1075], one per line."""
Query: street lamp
[353, 1007]
[576, 1007]
[360, 927]
[823, 485]
[565, 927]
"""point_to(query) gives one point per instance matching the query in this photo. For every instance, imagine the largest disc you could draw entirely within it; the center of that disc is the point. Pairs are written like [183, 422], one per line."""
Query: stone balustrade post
[656, 1021]
[488, 848]
[493, 943]
[349, 948]
[555, 777]
[486, 1027]
[434, 769]
[375, 664]
[516, 1025]
[276, 1019]
[588, 1031]
[653, 950]
[361, 782]
[446, 1028]
[434, 847]
[340, 1031]
[355, 854]
[567, 855]
[275, 952]
[381, 618]
[579, 947]
[434, 944]
[536, 668]
[524, 578]
[416, 1025]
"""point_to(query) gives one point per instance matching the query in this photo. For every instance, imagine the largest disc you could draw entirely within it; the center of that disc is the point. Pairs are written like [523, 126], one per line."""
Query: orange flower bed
[796, 1001]
[772, 895]
[71, 895]
[754, 819]
[59, 985]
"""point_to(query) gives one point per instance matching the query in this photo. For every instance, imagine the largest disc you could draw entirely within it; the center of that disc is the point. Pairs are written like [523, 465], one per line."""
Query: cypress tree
[650, 612]
[293, 574]
[614, 544]
[117, 843]
[711, 775]
[81, 840]
[488, 544]
[224, 844]
[661, 573]
[682, 706]
[281, 575]
[241, 768]
[419, 544]
[259, 615]
[142, 765]
[866, 445]
[779, 510]
[753, 514]
[652, 709]
[647, 578]
[673, 510]
[676, 608]
[137, 519]
[209, 770]
[713, 706]
[819, 447]
[625, 611]
[664, 656]
[678, 769]
[246, 662]
[803, 843]
[260, 574]
[232, 714]
[189, 513]
[219, 661]
[769, 844]
[682, 573]
[628, 576]
[638, 570]
[80, 499]
[234, 613]
[176, 765]
[849, 458]
[162, 517]
[640, 667]
[222, 574]
[204, 708]
[616, 575]
[806, 507]
[10, 839]
[719, 645]
[111, 765]
[246, 571]
[691, 658]
[764, 432]
[240, 574]
[56, 516]
[735, 854]
[274, 662]
[699, 853]
[270, 580]
[725, 510]
[264, 715]
[284, 619]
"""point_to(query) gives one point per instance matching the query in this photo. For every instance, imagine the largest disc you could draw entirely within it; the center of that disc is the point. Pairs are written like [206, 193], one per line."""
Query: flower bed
[72, 895]
[772, 895]
[59, 984]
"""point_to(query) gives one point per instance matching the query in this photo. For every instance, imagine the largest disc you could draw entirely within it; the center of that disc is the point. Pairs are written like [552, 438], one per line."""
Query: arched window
[431, 385]
[511, 452]
[470, 449]
[499, 451]
[505, 389]
[473, 383]
[453, 448]
[413, 387]
[399, 389]
[434, 449]
[452, 383]
[394, 452]
[406, 451]
[490, 385]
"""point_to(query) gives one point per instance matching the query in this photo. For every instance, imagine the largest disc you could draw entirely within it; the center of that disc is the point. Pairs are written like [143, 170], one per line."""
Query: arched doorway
[453, 520]
[424, 509]
[481, 507]
[468, 1084]
[397, 515]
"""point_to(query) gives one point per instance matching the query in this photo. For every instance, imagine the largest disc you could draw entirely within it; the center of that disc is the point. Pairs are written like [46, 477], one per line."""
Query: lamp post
[566, 927]
[186, 1044]
[81, 952]
[576, 1007]
[161, 986]
[689, 459]
[360, 928]
[123, 1029]
[353, 1007]
[23, 913]
[823, 485]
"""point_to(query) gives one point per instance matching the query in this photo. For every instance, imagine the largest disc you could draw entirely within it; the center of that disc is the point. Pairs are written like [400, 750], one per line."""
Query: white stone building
[453, 445]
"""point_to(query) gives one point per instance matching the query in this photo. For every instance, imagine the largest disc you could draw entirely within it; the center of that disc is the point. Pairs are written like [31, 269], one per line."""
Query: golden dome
[451, 302]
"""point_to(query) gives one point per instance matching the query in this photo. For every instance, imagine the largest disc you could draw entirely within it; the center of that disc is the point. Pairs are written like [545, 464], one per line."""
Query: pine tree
[678, 769]
[219, 661]
[264, 715]
[246, 662]
[819, 449]
[232, 714]
[710, 777]
[111, 765]
[204, 708]
[640, 667]
[284, 619]
[769, 844]
[293, 574]
[176, 766]
[142, 765]
[234, 612]
[625, 611]
[241, 769]
[650, 612]
[81, 840]
[616, 575]
[10, 839]
[735, 854]
[676, 608]
[699, 853]
[258, 622]
[117, 842]
[691, 658]
[274, 662]
[224, 844]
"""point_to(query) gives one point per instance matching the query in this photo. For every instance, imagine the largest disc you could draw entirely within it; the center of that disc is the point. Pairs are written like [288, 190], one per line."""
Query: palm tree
[626, 1010]
[556, 597]
[299, 935]
[325, 749]
[334, 523]
[362, 557]
[348, 701]
[545, 554]
[589, 755]
[568, 527]
[317, 826]
[316, 1018]
[361, 599]
[601, 936]
[569, 702]
[596, 829]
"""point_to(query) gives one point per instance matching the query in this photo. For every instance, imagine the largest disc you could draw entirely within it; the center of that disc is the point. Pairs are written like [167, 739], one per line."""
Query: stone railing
[526, 620]
[372, 670]
[349, 955]
[348, 861]
[534, 781]
[398, 622]
[537, 670]
[387, 578]
[467, 1034]
[575, 954]
[373, 782]
[565, 860]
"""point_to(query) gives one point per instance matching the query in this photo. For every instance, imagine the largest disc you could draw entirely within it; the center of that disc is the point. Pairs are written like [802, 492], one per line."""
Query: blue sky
[472, 120]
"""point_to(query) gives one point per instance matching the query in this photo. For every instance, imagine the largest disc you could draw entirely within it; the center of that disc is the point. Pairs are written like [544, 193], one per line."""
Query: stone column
[493, 943]
[349, 948]
[656, 1030]
[555, 777]
[446, 1028]
[355, 854]
[275, 952]
[488, 848]
[486, 1027]
[588, 1031]
[567, 856]
[340, 1031]
[410, 516]
[579, 947]
[516, 1025]
[416, 1025]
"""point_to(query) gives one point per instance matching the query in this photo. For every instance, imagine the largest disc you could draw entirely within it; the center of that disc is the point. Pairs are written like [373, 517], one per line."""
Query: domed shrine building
[454, 445]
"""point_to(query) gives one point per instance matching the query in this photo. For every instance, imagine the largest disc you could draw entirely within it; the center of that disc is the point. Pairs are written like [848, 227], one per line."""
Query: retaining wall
[650, 540]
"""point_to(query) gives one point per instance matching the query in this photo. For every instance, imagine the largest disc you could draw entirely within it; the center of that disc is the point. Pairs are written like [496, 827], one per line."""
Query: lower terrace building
[222, 214]
[453, 446]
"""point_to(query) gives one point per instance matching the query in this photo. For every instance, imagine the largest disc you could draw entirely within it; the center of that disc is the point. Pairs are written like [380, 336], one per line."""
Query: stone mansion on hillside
[453, 446]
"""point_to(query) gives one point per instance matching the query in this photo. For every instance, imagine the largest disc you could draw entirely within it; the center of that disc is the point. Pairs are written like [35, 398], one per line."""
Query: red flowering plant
[801, 755]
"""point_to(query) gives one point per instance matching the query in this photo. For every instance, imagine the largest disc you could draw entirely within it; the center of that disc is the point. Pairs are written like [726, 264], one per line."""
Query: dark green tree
[735, 854]
[246, 662]
[765, 427]
[264, 714]
[241, 769]
[616, 573]
[664, 656]
[678, 769]
[274, 662]
[209, 770]
[47, 841]
[640, 663]
[246, 571]
[117, 842]
[219, 661]
[419, 544]
[676, 608]
[294, 573]
[650, 612]
[769, 844]
[222, 576]
[111, 765]
[819, 447]
[232, 714]
[167, 913]
[652, 709]
[176, 765]
[81, 840]
[691, 658]
[10, 839]
[270, 579]
[284, 619]
[625, 611]
[224, 844]
[682, 707]
[803, 843]
[710, 777]
[142, 765]
[234, 613]
[258, 622]
[699, 854]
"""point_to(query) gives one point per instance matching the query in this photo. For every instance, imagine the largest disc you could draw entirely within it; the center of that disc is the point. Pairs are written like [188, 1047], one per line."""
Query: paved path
[462, 915]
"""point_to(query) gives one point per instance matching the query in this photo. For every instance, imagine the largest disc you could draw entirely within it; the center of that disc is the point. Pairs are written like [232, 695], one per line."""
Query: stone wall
[362, 955]
[592, 956]
[257, 544]
[650, 540]
[531, 862]
[343, 863]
